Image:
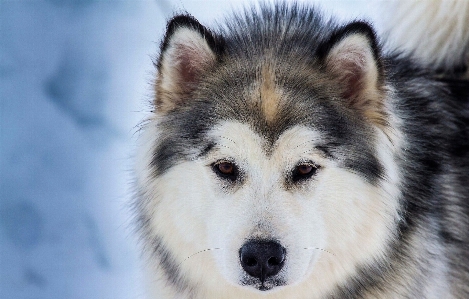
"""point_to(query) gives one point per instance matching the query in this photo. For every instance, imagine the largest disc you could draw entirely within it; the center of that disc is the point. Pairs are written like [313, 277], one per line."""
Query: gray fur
[433, 118]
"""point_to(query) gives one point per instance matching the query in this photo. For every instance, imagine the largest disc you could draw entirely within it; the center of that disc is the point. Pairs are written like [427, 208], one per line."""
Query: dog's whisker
[316, 248]
[208, 249]
[303, 143]
[225, 146]
[227, 139]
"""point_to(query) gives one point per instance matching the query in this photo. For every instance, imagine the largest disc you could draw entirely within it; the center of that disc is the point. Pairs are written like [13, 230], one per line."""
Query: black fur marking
[368, 278]
[324, 149]
[156, 246]
[207, 149]
[182, 135]
[169, 265]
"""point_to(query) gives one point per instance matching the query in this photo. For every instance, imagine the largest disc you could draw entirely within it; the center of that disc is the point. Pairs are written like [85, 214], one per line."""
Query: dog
[290, 156]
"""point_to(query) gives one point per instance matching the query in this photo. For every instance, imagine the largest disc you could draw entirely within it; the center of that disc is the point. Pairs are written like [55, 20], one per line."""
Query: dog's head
[268, 162]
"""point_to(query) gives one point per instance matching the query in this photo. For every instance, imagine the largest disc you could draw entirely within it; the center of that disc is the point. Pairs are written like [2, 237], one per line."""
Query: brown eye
[304, 171]
[226, 170]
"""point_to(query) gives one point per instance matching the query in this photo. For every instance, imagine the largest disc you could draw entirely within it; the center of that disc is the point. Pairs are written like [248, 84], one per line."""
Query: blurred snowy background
[74, 83]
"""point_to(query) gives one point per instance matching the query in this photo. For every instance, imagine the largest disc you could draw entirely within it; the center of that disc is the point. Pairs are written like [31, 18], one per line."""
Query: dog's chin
[269, 285]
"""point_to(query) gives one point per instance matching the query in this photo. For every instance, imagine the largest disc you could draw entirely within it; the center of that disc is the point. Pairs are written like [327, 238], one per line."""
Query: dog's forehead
[342, 137]
[270, 98]
[239, 139]
[271, 95]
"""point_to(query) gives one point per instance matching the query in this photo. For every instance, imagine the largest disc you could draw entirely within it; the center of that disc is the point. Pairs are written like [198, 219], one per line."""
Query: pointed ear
[187, 52]
[352, 57]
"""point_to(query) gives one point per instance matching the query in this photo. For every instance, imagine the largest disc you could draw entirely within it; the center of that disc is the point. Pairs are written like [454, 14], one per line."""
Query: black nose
[262, 258]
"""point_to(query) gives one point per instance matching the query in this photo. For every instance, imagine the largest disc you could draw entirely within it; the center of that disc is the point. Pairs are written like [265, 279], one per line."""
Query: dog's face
[304, 204]
[270, 173]
[264, 217]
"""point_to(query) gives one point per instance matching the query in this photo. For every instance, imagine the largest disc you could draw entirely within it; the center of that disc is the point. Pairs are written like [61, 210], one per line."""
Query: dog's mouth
[267, 285]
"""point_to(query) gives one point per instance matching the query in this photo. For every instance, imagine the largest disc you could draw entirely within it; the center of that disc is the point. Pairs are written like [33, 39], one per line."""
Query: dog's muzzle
[262, 259]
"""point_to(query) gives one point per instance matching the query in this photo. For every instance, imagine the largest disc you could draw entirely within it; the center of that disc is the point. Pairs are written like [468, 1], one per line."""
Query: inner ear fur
[187, 52]
[352, 57]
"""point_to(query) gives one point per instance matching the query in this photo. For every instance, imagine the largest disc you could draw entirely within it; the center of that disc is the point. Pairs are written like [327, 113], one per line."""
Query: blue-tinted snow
[74, 80]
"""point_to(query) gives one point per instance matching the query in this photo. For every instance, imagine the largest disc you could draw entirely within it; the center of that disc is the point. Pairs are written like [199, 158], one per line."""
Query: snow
[74, 84]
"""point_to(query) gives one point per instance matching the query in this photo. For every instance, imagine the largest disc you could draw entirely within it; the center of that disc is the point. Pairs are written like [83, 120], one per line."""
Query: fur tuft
[436, 32]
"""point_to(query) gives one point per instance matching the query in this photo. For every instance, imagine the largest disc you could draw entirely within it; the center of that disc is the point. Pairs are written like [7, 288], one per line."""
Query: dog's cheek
[301, 229]
[182, 210]
[227, 225]
[357, 217]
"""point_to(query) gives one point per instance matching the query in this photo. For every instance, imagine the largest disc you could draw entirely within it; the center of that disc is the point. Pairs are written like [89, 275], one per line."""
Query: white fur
[330, 225]
[436, 31]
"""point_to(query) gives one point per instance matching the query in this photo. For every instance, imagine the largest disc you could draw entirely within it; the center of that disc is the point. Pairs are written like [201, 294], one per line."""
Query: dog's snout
[262, 258]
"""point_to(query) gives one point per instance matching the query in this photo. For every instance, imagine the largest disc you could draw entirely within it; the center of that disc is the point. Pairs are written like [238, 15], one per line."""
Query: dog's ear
[187, 52]
[352, 57]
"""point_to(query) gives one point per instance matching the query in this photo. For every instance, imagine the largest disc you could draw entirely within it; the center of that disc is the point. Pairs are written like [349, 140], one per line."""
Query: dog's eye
[226, 170]
[304, 171]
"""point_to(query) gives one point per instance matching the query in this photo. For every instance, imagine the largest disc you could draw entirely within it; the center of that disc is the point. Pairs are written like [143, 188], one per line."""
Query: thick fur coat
[289, 156]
